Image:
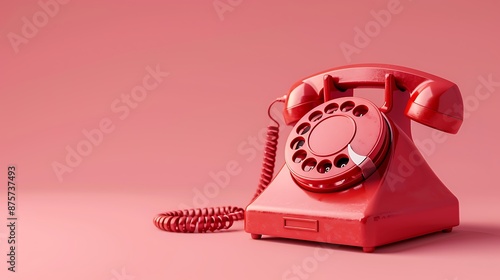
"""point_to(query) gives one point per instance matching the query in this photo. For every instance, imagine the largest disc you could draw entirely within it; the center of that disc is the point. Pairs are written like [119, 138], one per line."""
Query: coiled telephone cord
[219, 218]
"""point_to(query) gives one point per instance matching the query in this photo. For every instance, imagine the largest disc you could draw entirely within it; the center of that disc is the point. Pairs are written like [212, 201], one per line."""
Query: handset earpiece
[300, 100]
[436, 103]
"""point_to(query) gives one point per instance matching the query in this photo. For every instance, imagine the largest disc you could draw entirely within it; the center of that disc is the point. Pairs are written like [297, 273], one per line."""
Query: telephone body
[353, 175]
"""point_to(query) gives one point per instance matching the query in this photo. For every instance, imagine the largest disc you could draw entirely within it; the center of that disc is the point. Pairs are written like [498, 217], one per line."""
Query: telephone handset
[430, 103]
[352, 173]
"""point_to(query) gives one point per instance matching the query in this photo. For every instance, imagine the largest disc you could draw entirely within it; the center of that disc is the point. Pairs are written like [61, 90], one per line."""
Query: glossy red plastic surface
[353, 175]
[435, 102]
[326, 150]
[199, 220]
[387, 207]
[390, 193]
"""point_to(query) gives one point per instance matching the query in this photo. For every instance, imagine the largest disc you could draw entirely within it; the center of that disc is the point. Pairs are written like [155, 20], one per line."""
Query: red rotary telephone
[345, 180]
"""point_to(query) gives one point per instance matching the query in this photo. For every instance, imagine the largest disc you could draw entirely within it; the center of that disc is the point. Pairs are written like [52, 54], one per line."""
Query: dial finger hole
[324, 166]
[299, 156]
[309, 164]
[297, 143]
[330, 108]
[315, 116]
[347, 106]
[341, 161]
[360, 111]
[303, 128]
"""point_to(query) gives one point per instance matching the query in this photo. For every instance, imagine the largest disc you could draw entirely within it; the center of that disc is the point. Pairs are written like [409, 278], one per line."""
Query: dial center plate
[331, 135]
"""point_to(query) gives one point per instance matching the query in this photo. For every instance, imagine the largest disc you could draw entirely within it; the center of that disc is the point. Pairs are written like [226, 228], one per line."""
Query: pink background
[225, 68]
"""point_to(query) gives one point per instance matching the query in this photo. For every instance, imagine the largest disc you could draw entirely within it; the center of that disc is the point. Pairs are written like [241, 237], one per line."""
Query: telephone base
[378, 211]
